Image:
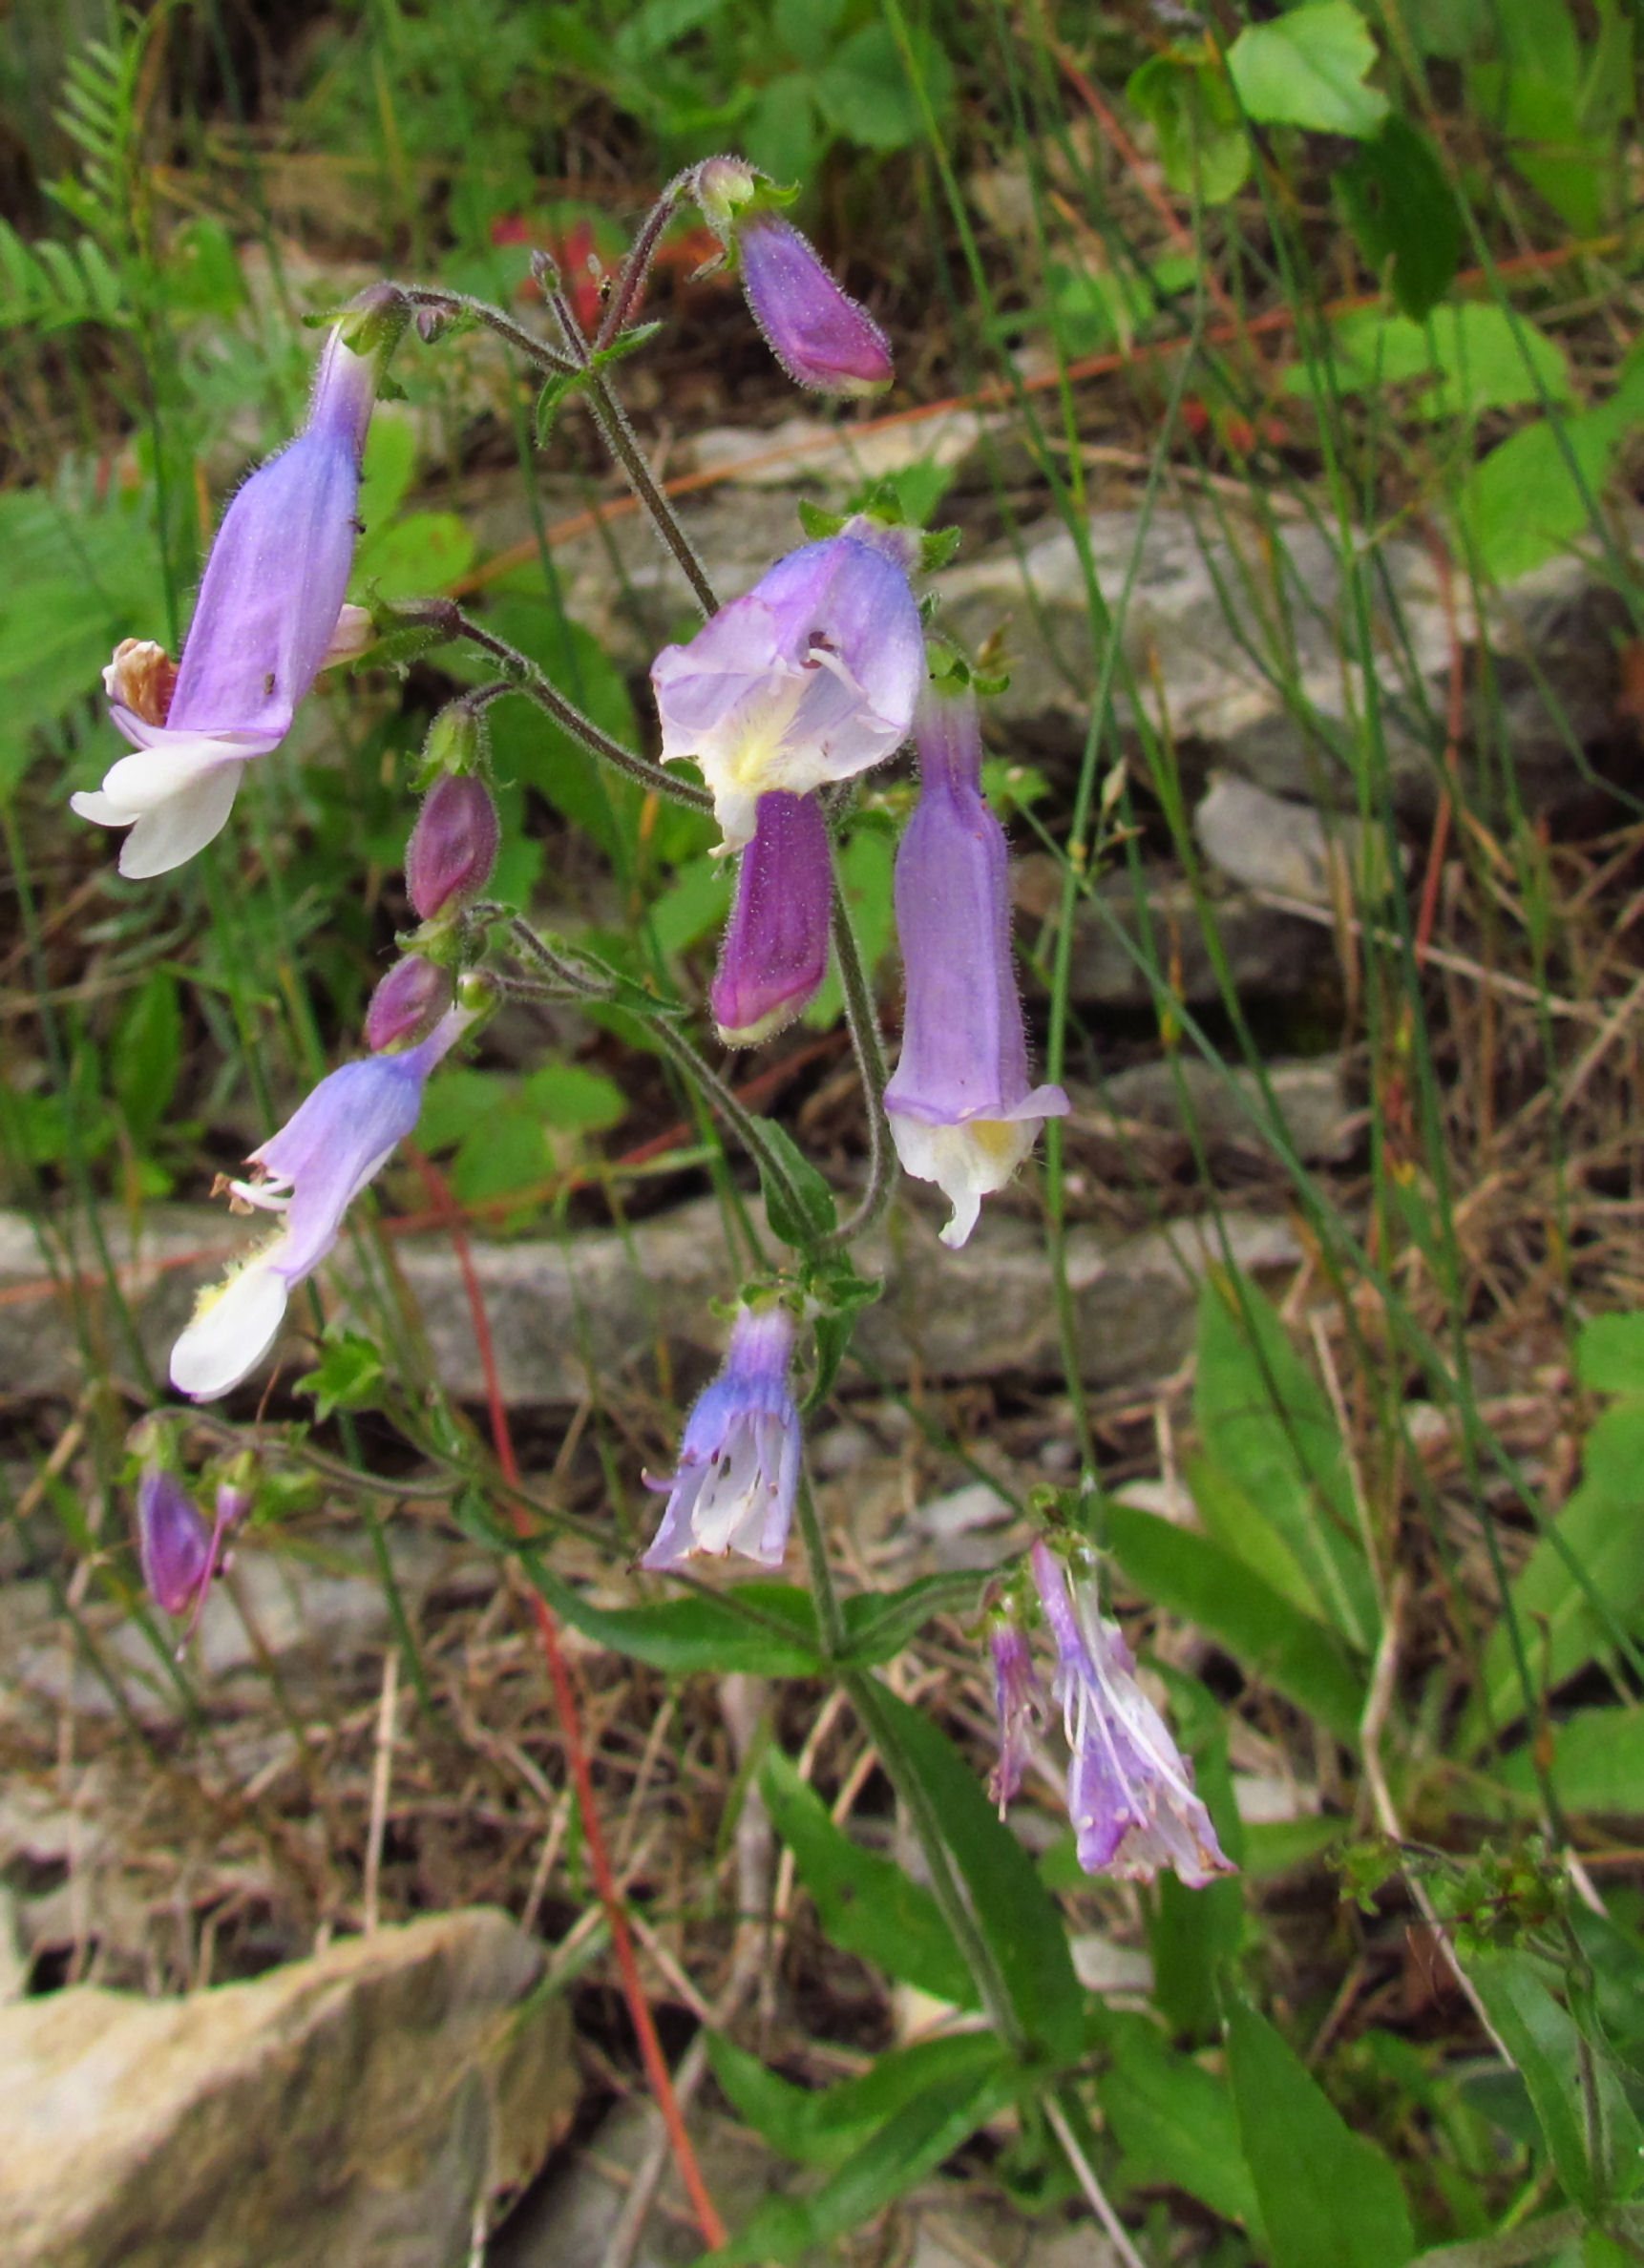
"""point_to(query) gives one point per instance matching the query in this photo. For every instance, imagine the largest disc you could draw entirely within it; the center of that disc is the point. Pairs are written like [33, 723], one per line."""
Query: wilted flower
[271, 606]
[408, 1003]
[452, 847]
[819, 334]
[1129, 1790]
[311, 1173]
[809, 678]
[775, 950]
[738, 1473]
[961, 1111]
[1020, 1702]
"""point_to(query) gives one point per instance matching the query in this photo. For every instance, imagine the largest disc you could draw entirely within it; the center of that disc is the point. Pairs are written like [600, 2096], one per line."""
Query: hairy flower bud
[775, 950]
[452, 847]
[407, 1004]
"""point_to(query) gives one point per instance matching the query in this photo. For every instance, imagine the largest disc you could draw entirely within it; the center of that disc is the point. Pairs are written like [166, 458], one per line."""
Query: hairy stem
[460, 302]
[631, 277]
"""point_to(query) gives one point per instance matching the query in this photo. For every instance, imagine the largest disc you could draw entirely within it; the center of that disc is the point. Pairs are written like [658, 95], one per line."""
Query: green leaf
[800, 1206]
[414, 557]
[1601, 1528]
[1609, 1354]
[1328, 2199]
[1523, 505]
[348, 1377]
[866, 1904]
[1173, 2120]
[701, 1632]
[1402, 209]
[1188, 1575]
[1265, 1421]
[908, 2145]
[574, 1099]
[824, 2126]
[1203, 145]
[879, 1623]
[1588, 2127]
[1012, 1908]
[147, 1055]
[1596, 1763]
[1232, 1518]
[529, 747]
[1308, 69]
[1471, 358]
[863, 90]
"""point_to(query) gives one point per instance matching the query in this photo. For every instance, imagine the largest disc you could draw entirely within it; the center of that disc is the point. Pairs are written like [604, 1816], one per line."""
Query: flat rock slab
[596, 1308]
[356, 2109]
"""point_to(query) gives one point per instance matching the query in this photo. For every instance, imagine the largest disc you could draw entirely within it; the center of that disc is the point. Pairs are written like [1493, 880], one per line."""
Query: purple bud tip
[775, 951]
[452, 847]
[407, 1004]
[174, 1543]
[822, 337]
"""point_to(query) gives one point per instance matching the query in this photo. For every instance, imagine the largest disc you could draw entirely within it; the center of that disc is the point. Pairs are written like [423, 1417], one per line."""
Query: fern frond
[51, 286]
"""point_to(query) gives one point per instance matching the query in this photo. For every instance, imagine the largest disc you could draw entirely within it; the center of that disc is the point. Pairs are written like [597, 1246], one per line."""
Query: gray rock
[1269, 843]
[1227, 1107]
[565, 1314]
[359, 2109]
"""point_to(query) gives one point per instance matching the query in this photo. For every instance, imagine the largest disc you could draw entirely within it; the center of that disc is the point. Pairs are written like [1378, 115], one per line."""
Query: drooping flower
[808, 678]
[452, 847]
[311, 1173]
[961, 1111]
[822, 337]
[269, 609]
[738, 1474]
[1129, 1790]
[775, 950]
[1020, 1703]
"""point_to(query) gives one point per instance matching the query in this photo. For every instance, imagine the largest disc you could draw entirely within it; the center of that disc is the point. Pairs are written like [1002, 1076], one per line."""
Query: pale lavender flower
[311, 1173]
[809, 678]
[822, 337]
[775, 950]
[961, 1111]
[1129, 1790]
[270, 609]
[1019, 1700]
[452, 847]
[738, 1474]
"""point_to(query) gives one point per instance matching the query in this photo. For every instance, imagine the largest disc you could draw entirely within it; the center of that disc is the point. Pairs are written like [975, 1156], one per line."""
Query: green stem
[862, 1021]
[734, 1113]
[460, 303]
[946, 1887]
[525, 677]
[829, 1622]
[619, 437]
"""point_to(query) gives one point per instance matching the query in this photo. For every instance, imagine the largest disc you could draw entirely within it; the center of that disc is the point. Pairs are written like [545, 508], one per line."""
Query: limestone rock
[358, 2108]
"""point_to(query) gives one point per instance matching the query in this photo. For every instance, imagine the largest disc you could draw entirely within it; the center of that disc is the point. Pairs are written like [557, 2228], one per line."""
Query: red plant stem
[708, 2220]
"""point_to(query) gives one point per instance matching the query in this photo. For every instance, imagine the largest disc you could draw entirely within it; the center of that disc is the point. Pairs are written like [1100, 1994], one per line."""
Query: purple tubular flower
[175, 1545]
[311, 1173]
[961, 1111]
[775, 950]
[452, 847]
[1020, 1703]
[822, 337]
[407, 1004]
[1129, 1790]
[808, 678]
[267, 613]
[738, 1473]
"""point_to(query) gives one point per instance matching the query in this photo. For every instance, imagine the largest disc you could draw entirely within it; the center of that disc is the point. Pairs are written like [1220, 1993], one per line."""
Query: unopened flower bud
[407, 1004]
[822, 337]
[452, 847]
[455, 743]
[775, 950]
[177, 1548]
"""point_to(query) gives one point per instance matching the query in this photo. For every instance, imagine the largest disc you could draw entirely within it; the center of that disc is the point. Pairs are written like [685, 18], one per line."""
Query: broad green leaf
[1601, 1528]
[863, 90]
[414, 557]
[1194, 1934]
[1524, 504]
[1173, 2120]
[389, 467]
[1308, 69]
[1232, 1518]
[865, 1903]
[574, 1099]
[1203, 145]
[879, 1623]
[1188, 1575]
[696, 904]
[910, 2145]
[1328, 2199]
[799, 1207]
[1590, 2130]
[1264, 1420]
[1011, 1906]
[1471, 358]
[823, 2126]
[1402, 209]
[682, 1635]
[1596, 1763]
[1609, 1354]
